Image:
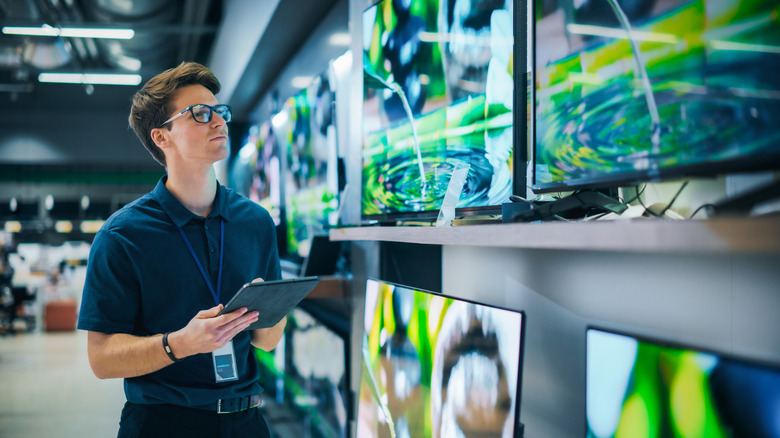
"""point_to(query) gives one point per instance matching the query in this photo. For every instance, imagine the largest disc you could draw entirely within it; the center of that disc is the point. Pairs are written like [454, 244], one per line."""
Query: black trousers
[167, 421]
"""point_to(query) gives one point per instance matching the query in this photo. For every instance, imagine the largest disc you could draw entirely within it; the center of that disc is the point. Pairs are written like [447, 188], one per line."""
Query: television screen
[636, 91]
[266, 182]
[311, 173]
[438, 94]
[306, 381]
[638, 387]
[435, 366]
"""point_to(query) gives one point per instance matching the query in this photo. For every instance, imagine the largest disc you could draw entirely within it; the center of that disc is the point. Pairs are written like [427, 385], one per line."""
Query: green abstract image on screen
[438, 94]
[639, 388]
[437, 367]
[696, 84]
[311, 180]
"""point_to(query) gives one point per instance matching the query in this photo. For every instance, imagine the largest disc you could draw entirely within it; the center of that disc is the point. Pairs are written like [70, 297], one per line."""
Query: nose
[217, 120]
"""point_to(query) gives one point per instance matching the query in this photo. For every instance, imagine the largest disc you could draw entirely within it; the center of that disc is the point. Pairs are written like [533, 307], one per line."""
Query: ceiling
[167, 32]
[71, 140]
[247, 43]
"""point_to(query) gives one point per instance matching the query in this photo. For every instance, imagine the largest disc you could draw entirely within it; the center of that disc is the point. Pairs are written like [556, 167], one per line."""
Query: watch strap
[167, 348]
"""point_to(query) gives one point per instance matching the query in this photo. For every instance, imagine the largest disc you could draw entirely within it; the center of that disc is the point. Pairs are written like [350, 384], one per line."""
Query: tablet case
[272, 299]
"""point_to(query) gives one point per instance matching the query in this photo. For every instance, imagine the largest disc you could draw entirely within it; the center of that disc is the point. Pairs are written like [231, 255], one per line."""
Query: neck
[195, 189]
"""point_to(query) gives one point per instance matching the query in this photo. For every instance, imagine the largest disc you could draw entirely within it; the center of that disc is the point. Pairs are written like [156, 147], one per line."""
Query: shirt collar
[179, 214]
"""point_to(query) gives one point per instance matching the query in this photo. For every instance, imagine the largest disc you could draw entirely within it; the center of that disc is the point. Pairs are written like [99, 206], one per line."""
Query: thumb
[210, 313]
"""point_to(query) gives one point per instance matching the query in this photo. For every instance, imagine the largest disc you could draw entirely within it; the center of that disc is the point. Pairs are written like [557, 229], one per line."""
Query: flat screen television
[266, 177]
[447, 66]
[692, 92]
[311, 170]
[641, 387]
[306, 381]
[435, 366]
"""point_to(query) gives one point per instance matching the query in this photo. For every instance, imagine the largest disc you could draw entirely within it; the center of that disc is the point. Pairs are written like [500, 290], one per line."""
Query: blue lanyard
[200, 267]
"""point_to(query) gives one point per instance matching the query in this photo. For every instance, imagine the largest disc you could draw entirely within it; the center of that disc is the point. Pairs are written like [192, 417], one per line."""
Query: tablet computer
[272, 299]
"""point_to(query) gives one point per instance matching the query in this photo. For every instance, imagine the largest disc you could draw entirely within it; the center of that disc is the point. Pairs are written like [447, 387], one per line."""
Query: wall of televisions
[548, 112]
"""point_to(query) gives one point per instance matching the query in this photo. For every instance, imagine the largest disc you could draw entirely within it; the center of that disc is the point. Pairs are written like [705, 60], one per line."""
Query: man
[162, 267]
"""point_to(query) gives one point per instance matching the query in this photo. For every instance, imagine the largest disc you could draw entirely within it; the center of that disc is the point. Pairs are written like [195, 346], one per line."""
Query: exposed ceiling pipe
[53, 54]
[73, 13]
[195, 13]
[185, 38]
[148, 46]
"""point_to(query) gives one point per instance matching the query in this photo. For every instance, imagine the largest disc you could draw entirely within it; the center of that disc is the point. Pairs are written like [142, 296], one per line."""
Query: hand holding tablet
[272, 299]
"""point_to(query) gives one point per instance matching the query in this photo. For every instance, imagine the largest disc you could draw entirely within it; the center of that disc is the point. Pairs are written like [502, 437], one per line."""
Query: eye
[200, 112]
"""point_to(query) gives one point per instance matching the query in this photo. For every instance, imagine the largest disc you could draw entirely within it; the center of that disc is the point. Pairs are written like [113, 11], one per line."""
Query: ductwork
[167, 32]
[152, 45]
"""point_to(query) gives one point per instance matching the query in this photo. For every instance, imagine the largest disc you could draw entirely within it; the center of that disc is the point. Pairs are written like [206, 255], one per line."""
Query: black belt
[232, 405]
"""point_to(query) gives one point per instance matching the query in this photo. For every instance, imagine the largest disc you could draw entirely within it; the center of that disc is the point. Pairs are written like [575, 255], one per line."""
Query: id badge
[225, 363]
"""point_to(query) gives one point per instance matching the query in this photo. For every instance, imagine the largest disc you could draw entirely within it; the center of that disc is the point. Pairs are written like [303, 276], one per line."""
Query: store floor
[48, 390]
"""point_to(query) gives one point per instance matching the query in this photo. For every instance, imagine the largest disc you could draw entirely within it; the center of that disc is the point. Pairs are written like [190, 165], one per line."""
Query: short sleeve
[111, 297]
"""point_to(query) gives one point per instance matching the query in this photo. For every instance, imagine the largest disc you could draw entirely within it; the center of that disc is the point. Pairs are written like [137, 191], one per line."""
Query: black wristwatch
[167, 349]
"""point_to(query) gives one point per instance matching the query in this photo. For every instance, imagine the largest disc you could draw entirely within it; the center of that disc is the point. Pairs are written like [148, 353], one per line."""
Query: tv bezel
[706, 169]
[519, 427]
[520, 147]
[669, 344]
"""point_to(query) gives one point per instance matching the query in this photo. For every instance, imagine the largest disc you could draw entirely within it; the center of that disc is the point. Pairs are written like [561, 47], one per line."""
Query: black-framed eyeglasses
[202, 113]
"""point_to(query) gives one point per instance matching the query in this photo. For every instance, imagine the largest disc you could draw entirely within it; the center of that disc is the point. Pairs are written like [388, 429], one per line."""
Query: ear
[160, 137]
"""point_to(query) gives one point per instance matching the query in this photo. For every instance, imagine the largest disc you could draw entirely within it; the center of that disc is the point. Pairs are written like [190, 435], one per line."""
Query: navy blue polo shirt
[142, 280]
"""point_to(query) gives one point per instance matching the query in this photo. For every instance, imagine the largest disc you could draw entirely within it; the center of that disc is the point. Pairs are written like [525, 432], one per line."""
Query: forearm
[120, 355]
[267, 338]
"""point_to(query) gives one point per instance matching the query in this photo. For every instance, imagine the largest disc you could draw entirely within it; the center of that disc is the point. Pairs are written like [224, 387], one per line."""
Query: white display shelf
[638, 235]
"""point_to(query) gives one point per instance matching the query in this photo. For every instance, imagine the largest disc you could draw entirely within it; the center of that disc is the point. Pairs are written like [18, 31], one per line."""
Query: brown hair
[151, 103]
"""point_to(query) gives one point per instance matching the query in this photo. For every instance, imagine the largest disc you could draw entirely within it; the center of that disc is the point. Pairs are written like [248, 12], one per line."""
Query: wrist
[169, 350]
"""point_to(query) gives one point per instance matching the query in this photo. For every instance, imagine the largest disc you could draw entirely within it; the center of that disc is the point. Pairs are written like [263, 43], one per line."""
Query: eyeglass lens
[202, 113]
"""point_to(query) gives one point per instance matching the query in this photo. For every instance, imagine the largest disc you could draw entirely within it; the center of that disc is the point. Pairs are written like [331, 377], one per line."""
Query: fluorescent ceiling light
[90, 78]
[70, 32]
[340, 39]
[301, 81]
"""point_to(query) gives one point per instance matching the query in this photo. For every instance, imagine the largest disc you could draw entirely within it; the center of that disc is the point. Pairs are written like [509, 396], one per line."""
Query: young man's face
[191, 141]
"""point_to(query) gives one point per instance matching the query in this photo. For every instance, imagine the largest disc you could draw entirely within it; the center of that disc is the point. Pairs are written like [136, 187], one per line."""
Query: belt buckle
[252, 401]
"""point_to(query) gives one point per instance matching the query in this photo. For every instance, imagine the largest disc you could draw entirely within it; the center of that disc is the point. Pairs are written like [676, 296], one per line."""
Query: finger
[228, 331]
[210, 313]
[228, 317]
[258, 280]
[245, 319]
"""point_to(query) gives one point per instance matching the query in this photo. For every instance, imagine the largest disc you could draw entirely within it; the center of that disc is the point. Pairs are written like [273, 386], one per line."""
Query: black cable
[647, 210]
[701, 207]
[636, 197]
[673, 199]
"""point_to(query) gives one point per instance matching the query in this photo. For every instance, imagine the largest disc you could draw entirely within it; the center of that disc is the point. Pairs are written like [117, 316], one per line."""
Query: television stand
[574, 206]
[743, 203]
